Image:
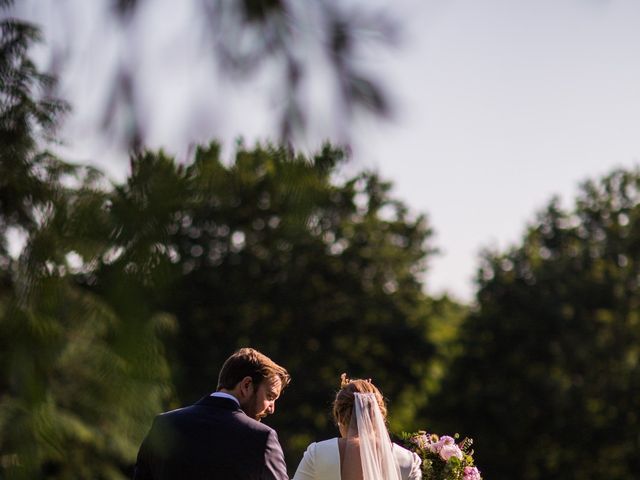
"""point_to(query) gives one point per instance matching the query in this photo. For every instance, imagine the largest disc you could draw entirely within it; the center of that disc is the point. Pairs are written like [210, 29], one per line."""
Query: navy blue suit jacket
[212, 439]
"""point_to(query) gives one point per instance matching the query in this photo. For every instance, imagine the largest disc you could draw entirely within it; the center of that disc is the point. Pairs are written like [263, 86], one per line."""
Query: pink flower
[450, 450]
[434, 447]
[421, 440]
[437, 446]
[471, 473]
[446, 440]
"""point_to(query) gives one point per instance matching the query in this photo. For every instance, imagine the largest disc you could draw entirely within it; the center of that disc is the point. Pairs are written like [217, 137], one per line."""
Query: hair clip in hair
[344, 380]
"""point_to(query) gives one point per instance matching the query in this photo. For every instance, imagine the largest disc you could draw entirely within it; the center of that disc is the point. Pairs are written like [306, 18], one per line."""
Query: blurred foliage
[293, 42]
[25, 112]
[548, 382]
[78, 379]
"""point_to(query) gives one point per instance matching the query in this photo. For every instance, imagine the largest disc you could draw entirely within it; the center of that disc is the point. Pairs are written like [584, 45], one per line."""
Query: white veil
[368, 454]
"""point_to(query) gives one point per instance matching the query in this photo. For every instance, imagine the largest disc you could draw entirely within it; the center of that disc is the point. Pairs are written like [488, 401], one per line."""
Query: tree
[323, 276]
[75, 390]
[27, 112]
[548, 379]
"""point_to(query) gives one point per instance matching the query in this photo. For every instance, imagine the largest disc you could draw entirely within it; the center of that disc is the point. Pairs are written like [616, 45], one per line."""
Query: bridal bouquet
[443, 458]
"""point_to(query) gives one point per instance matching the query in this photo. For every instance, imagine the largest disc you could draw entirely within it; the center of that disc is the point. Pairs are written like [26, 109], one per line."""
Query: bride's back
[365, 451]
[350, 464]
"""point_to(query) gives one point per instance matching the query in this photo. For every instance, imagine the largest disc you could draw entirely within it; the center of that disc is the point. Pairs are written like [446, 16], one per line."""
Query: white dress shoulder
[321, 461]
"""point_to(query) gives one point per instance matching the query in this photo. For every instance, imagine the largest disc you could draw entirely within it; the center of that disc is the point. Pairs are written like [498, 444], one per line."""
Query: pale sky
[500, 104]
[505, 104]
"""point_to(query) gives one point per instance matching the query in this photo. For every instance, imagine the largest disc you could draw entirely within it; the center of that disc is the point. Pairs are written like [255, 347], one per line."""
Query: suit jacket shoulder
[213, 438]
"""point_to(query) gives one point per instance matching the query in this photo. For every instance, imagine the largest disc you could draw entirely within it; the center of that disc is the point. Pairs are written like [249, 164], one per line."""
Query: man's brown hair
[248, 362]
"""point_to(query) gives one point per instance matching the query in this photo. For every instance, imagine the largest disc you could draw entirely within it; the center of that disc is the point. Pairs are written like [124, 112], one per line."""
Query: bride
[364, 451]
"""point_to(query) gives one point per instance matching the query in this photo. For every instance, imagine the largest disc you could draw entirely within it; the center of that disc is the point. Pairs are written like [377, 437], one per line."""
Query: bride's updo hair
[343, 404]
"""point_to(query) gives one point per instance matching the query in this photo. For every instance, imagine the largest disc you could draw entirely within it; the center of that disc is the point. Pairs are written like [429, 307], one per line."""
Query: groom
[220, 436]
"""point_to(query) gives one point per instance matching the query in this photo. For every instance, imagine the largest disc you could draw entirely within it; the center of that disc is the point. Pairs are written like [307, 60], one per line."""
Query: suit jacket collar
[219, 402]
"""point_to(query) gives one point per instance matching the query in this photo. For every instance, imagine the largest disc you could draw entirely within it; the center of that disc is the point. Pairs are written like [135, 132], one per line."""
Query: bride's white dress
[321, 461]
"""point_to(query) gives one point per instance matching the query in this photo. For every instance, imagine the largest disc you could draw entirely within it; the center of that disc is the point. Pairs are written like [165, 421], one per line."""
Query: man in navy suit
[220, 436]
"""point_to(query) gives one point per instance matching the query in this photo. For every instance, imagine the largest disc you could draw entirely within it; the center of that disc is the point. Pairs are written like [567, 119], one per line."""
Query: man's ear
[246, 387]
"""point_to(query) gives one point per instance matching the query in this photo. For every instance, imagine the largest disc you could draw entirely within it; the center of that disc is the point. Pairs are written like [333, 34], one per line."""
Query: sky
[499, 105]
[504, 105]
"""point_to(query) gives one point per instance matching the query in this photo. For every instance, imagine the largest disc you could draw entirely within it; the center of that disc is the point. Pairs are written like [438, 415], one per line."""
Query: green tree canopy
[548, 381]
[274, 252]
